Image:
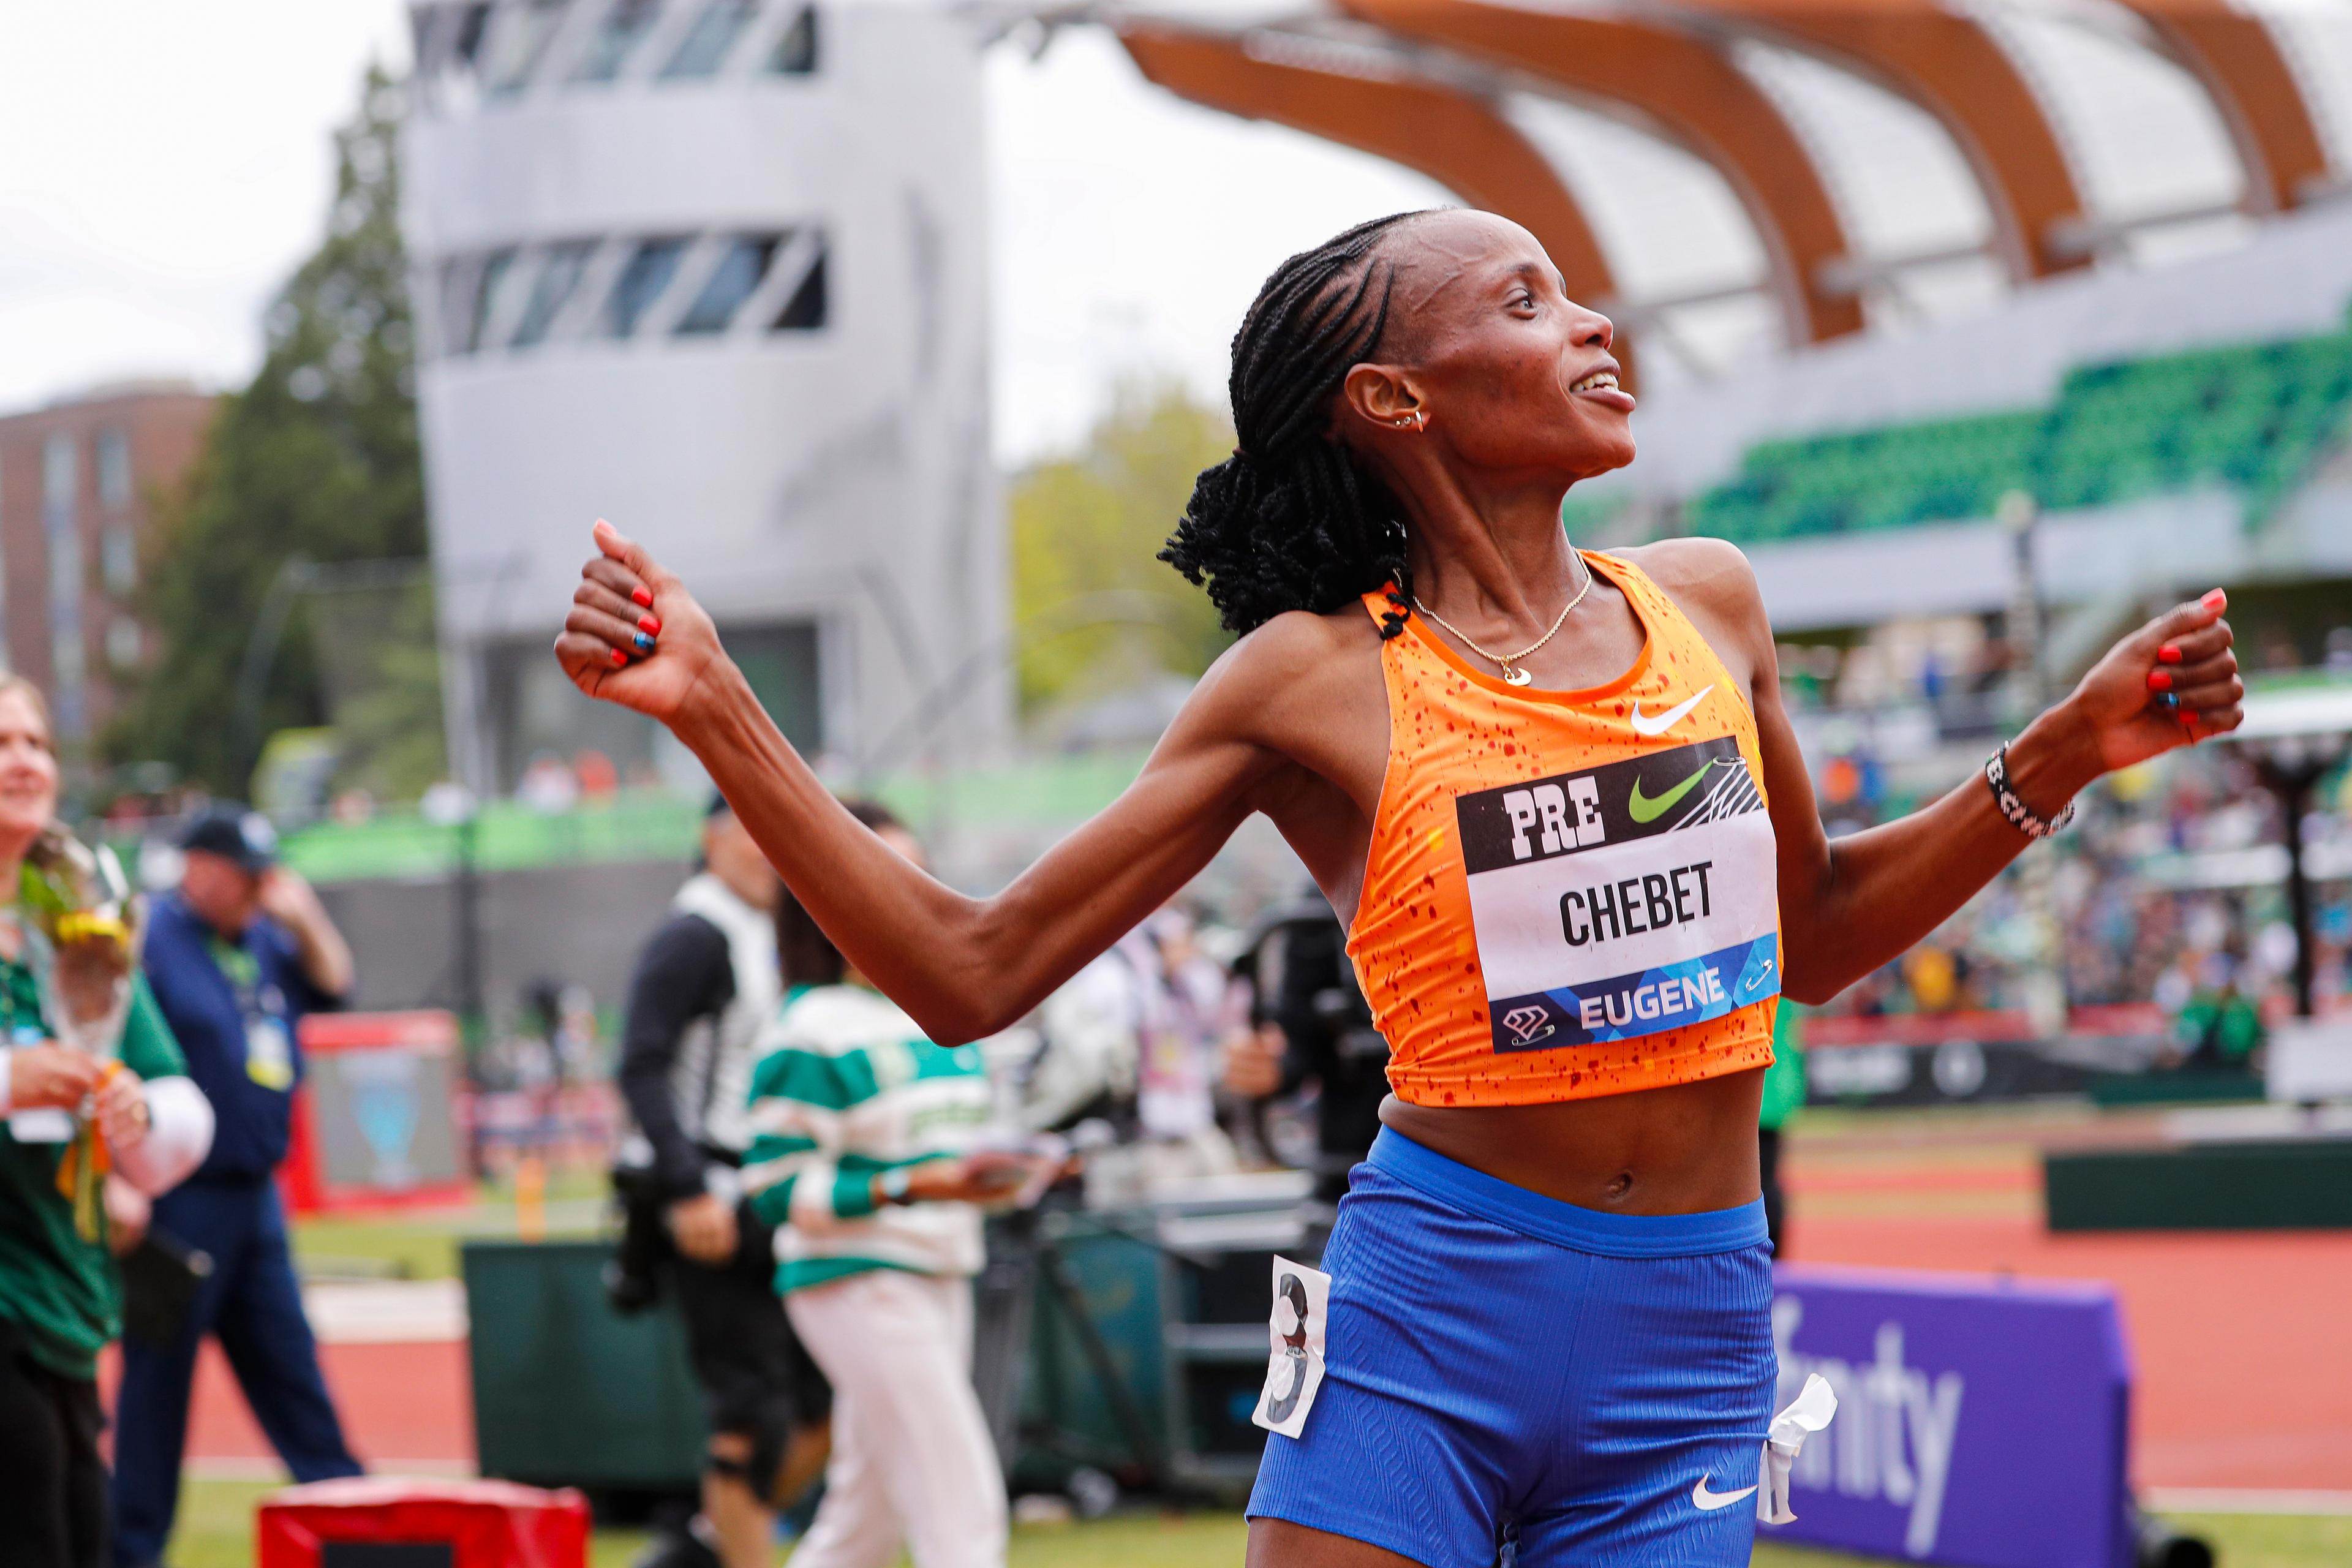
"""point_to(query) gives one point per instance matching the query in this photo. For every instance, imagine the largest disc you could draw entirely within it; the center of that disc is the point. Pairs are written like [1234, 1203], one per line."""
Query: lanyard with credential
[268, 1048]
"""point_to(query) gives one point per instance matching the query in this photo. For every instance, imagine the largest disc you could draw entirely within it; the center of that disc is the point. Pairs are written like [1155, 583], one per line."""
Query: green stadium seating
[2248, 416]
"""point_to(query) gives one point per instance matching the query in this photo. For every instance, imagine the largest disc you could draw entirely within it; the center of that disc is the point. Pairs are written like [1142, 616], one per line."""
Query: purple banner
[1980, 1421]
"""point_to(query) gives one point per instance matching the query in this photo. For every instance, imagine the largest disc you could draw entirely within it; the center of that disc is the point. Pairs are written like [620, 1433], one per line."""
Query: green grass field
[216, 1531]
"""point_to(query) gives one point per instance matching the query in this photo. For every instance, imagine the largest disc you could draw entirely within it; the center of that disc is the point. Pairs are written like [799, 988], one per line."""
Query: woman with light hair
[71, 1117]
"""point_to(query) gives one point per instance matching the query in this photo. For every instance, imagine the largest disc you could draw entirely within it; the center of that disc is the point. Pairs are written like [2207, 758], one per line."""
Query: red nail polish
[2159, 681]
[619, 659]
[2214, 600]
[2169, 653]
[643, 596]
[649, 625]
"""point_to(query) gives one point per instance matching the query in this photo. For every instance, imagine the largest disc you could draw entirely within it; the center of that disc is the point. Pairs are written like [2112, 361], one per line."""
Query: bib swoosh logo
[1667, 720]
[1706, 1502]
[1649, 808]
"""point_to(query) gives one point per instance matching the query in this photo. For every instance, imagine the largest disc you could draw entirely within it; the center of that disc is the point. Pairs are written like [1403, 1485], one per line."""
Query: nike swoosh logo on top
[1649, 808]
[1670, 718]
[1706, 1502]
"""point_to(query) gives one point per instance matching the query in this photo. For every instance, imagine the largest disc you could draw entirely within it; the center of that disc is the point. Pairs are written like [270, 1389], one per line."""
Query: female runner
[1556, 797]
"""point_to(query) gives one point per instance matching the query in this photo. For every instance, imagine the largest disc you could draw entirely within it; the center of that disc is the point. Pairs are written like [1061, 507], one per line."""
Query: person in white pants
[911, 1453]
[860, 1132]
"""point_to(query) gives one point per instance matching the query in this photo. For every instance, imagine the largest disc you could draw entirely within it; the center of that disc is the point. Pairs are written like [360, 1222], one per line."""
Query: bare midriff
[1686, 1148]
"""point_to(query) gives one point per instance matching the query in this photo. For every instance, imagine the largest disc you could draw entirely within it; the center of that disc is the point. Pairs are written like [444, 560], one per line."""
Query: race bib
[1623, 900]
[1293, 1371]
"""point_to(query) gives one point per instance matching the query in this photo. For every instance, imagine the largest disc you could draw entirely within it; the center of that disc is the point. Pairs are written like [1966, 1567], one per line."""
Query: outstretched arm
[1848, 906]
[961, 967]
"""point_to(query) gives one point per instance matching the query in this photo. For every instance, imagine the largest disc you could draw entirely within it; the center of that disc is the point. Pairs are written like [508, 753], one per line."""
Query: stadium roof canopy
[1731, 176]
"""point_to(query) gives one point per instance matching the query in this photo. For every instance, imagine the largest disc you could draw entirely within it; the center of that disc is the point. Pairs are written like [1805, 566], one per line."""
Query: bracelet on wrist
[892, 1186]
[2012, 808]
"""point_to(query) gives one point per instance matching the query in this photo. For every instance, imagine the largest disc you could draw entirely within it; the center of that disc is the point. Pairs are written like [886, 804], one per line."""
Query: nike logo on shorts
[1706, 1502]
[1667, 720]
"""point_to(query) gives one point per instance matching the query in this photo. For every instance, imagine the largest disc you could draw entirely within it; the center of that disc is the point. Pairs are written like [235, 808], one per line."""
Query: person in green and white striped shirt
[861, 1133]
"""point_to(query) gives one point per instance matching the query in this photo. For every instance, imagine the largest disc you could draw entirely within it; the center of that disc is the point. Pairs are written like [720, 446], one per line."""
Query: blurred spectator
[863, 1156]
[1184, 1007]
[547, 785]
[235, 957]
[1784, 1094]
[59, 1294]
[1315, 1030]
[706, 985]
[2217, 1027]
[599, 779]
[1086, 1066]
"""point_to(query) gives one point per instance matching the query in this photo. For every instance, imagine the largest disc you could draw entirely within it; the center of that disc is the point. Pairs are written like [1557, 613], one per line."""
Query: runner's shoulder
[1299, 646]
[1297, 663]
[1711, 577]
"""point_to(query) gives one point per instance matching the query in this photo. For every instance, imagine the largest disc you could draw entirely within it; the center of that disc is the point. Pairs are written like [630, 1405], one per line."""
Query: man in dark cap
[234, 956]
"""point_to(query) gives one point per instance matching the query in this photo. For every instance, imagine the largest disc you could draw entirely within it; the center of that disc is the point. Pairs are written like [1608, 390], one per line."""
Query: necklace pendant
[1514, 676]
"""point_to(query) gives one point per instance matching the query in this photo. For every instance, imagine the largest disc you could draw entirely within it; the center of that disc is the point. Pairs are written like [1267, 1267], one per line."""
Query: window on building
[795, 51]
[458, 39]
[618, 33]
[804, 311]
[559, 275]
[60, 463]
[511, 49]
[488, 277]
[741, 267]
[124, 643]
[711, 39]
[113, 469]
[118, 557]
[644, 278]
[780, 662]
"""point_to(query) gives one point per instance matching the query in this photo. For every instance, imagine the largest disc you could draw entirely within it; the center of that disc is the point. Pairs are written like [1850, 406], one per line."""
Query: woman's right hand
[46, 1076]
[980, 1180]
[623, 593]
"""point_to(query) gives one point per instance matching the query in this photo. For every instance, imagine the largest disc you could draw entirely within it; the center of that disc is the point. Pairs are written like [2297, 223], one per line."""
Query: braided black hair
[1292, 521]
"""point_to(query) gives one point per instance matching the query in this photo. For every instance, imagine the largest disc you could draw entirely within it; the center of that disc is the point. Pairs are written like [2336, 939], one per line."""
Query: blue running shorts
[1502, 1368]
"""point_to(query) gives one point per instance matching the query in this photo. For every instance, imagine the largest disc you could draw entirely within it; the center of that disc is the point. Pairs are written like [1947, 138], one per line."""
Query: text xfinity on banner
[1623, 900]
[1979, 1422]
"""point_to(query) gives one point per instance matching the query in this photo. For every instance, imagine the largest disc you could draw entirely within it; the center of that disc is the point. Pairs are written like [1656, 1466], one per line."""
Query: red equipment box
[373, 1521]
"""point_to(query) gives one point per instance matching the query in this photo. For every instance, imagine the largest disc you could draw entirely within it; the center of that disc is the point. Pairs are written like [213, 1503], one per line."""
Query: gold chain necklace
[1512, 674]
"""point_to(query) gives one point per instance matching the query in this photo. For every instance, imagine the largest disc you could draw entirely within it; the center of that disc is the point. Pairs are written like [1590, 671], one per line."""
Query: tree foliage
[317, 458]
[1085, 529]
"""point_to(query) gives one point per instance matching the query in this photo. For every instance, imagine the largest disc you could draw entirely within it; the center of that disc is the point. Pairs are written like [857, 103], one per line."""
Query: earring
[1420, 418]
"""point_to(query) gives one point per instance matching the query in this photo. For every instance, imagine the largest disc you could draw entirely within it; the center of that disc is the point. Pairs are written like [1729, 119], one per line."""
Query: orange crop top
[1569, 893]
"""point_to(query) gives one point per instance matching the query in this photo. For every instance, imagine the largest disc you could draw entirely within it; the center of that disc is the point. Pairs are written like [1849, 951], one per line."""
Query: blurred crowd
[2167, 892]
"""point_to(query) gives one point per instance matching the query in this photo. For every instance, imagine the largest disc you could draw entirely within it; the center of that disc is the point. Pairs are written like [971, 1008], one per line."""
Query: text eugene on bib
[1622, 901]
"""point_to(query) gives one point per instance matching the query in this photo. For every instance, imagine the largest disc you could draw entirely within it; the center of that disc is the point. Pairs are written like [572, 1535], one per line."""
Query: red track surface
[2240, 1340]
[403, 1404]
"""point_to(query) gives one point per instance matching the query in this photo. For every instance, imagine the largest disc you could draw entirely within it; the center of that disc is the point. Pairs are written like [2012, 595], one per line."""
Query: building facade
[713, 269]
[79, 481]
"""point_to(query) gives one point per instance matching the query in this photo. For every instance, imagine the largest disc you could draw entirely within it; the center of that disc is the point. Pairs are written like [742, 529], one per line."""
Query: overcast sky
[164, 164]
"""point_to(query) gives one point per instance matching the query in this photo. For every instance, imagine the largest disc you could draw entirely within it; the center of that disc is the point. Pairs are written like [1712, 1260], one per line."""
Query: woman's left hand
[128, 1211]
[123, 1110]
[2183, 654]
